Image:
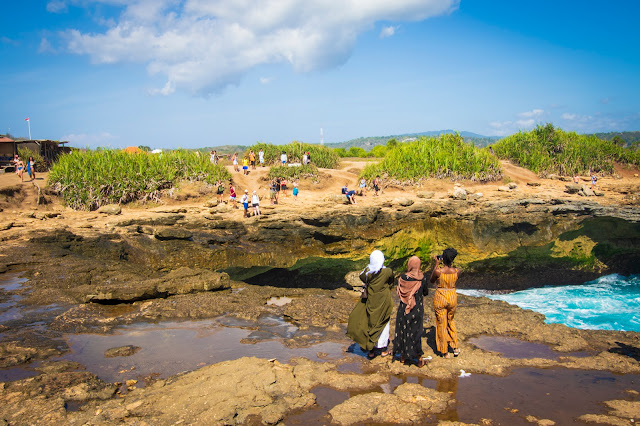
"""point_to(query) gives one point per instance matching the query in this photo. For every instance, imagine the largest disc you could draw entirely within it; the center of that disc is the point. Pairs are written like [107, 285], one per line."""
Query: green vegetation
[299, 172]
[25, 153]
[370, 142]
[446, 156]
[321, 156]
[88, 180]
[547, 150]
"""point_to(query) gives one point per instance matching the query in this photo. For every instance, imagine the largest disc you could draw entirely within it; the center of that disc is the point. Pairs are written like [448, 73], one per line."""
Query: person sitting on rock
[349, 194]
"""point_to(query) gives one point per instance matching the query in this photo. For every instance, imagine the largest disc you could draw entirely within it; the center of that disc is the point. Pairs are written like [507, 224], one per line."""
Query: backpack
[344, 190]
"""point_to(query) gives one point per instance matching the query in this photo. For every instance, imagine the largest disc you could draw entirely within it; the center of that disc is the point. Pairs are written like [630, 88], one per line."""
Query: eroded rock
[110, 209]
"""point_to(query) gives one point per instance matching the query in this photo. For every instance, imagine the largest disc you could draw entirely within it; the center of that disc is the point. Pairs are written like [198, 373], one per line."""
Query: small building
[48, 149]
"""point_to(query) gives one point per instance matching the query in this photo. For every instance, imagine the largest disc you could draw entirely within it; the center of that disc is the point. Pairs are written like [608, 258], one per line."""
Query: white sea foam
[611, 302]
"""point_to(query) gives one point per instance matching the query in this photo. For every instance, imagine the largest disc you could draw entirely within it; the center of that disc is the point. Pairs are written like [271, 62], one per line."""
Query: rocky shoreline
[93, 272]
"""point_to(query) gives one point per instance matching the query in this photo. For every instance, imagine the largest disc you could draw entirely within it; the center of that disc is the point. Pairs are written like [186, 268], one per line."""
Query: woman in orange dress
[445, 302]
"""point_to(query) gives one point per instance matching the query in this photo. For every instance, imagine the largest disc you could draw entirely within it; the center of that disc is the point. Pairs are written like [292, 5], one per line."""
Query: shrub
[546, 150]
[25, 153]
[444, 156]
[88, 180]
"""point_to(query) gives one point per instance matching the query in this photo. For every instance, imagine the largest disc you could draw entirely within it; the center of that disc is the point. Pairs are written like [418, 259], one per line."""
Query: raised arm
[436, 271]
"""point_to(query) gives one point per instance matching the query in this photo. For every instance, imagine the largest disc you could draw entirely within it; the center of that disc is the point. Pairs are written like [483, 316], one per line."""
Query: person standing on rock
[412, 288]
[232, 195]
[245, 202]
[445, 302]
[220, 191]
[369, 322]
[376, 185]
[255, 202]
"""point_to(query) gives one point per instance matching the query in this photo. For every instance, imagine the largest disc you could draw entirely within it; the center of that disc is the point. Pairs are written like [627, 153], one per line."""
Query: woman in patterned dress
[412, 288]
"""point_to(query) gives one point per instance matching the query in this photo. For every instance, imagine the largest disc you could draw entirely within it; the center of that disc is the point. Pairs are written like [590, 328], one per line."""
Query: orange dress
[445, 302]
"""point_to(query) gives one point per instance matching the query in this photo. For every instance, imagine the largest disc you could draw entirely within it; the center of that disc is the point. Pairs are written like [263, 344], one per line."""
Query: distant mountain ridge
[367, 143]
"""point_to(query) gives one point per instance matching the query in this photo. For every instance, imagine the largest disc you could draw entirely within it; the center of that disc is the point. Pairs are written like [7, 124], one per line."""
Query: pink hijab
[408, 289]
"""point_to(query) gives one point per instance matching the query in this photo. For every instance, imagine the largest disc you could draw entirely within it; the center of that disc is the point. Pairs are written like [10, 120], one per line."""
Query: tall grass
[88, 180]
[546, 150]
[444, 156]
[321, 156]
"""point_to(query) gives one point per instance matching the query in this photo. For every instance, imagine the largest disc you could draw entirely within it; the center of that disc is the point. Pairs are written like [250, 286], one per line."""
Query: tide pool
[611, 302]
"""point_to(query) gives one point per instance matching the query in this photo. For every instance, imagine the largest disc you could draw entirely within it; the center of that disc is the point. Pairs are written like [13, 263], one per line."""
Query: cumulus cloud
[204, 45]
[388, 31]
[536, 113]
[265, 80]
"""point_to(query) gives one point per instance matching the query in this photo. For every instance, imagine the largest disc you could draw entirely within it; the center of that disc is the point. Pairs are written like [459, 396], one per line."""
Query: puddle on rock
[16, 373]
[11, 282]
[513, 348]
[505, 400]
[279, 301]
[173, 347]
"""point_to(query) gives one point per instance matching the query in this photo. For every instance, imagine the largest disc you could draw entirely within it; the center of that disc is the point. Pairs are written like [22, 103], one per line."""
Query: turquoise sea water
[611, 302]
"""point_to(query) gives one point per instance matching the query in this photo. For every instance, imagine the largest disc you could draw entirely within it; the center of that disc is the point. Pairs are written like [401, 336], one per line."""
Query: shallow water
[173, 347]
[611, 302]
[556, 394]
[510, 347]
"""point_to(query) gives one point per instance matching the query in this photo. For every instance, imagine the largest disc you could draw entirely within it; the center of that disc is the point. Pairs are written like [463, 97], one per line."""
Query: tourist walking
[272, 191]
[252, 159]
[245, 202]
[412, 288]
[261, 157]
[234, 160]
[295, 191]
[32, 168]
[445, 302]
[283, 187]
[283, 158]
[255, 202]
[220, 191]
[232, 195]
[245, 165]
[376, 185]
[20, 169]
[369, 321]
[594, 179]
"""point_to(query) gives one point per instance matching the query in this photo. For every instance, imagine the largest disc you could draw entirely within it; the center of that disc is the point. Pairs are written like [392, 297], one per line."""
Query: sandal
[385, 353]
[422, 362]
[447, 355]
[371, 355]
[456, 352]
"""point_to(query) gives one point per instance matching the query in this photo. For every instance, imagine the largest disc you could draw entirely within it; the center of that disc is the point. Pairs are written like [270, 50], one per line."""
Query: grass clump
[88, 180]
[444, 156]
[321, 156]
[546, 150]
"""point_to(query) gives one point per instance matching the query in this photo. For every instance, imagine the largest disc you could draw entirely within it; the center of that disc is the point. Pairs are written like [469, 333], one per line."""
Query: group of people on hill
[370, 321]
[350, 194]
[280, 185]
[22, 166]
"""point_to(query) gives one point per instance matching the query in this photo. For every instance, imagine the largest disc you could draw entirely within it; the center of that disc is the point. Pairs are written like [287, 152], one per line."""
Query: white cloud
[56, 6]
[266, 80]
[204, 45]
[569, 116]
[526, 121]
[532, 114]
[167, 90]
[82, 140]
[45, 46]
[388, 31]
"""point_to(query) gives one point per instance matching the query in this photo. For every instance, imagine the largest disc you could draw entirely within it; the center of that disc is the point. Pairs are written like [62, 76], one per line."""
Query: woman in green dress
[369, 321]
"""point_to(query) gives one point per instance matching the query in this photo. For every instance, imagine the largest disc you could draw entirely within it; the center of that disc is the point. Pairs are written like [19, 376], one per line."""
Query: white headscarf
[376, 262]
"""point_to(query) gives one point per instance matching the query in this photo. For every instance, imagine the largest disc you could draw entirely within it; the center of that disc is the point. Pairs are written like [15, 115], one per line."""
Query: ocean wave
[611, 302]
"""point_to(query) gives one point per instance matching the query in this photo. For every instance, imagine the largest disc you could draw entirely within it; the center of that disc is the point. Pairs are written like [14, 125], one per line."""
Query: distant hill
[628, 137]
[367, 143]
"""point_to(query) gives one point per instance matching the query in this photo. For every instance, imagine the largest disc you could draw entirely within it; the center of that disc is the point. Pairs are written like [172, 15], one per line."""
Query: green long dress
[371, 315]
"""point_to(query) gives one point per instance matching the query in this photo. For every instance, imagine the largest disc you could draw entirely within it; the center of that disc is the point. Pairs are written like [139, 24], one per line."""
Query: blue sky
[194, 73]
